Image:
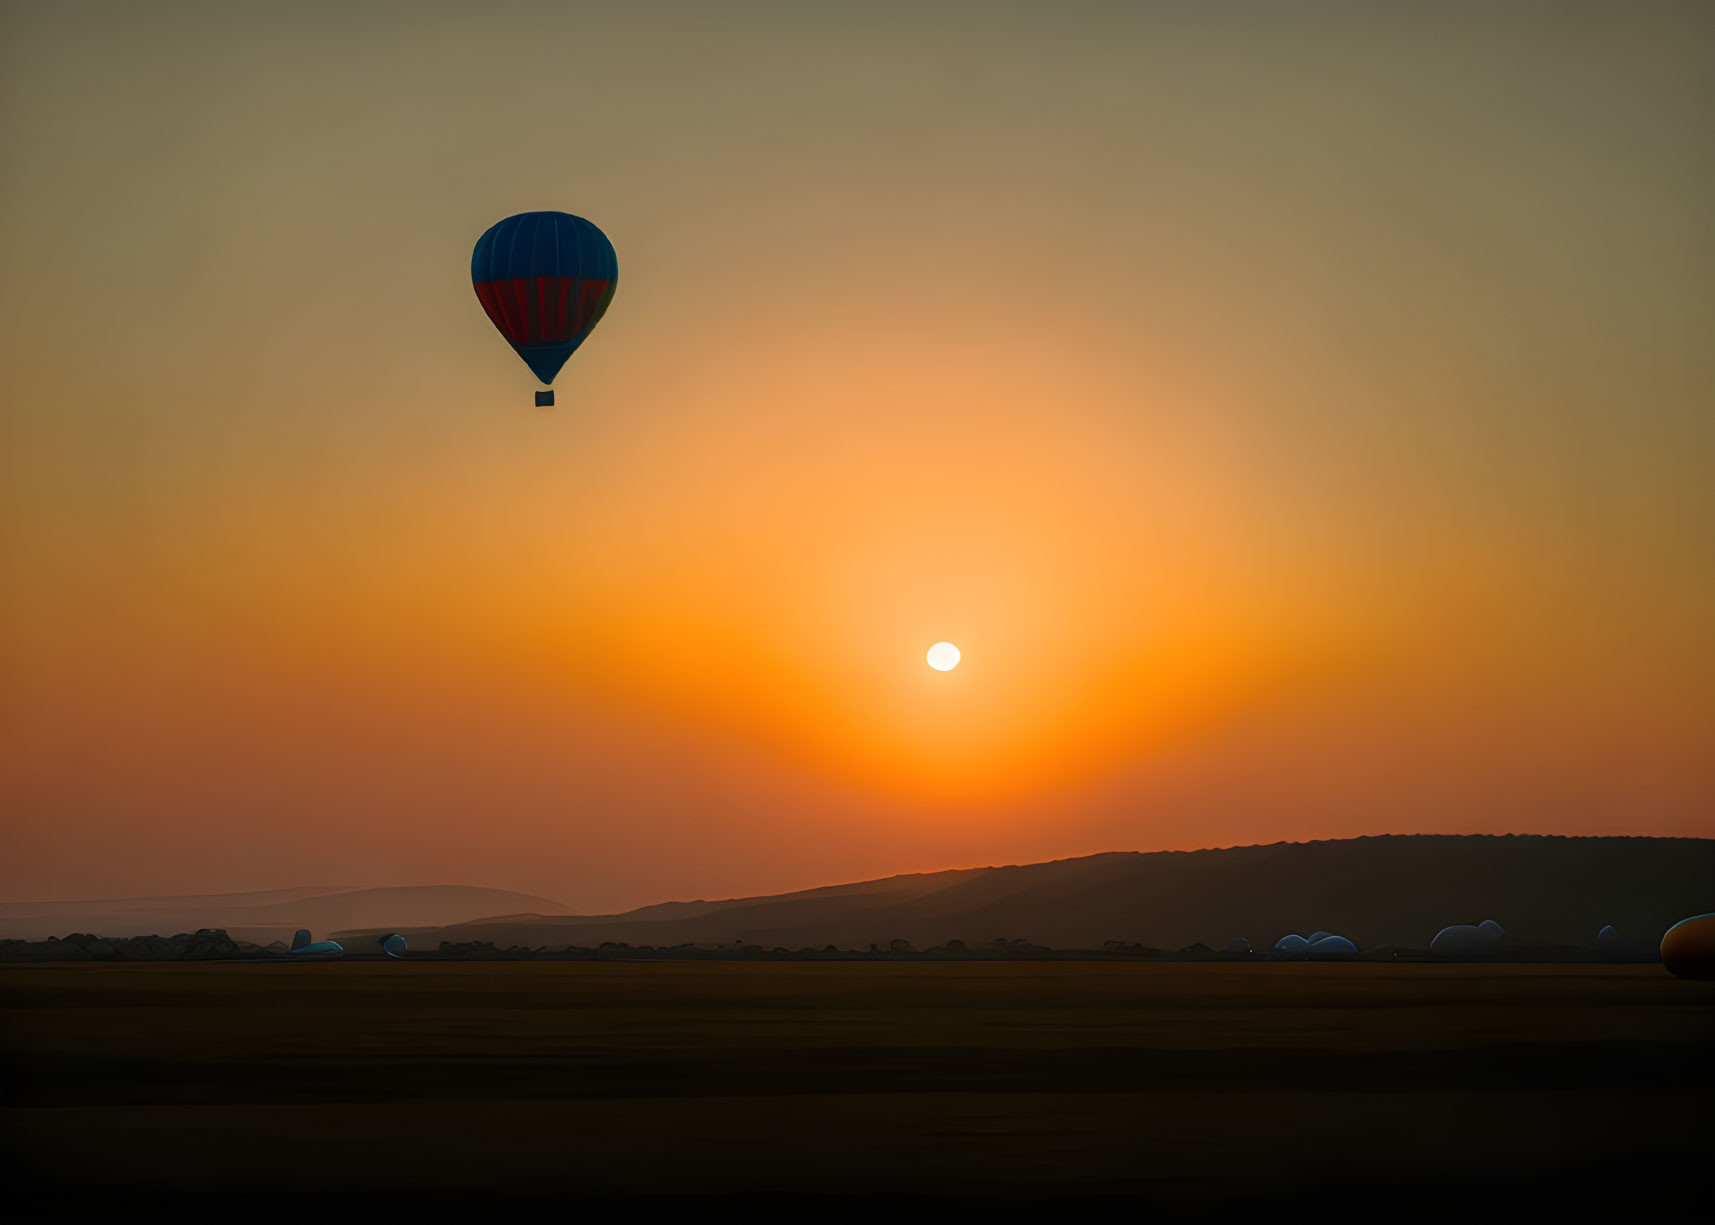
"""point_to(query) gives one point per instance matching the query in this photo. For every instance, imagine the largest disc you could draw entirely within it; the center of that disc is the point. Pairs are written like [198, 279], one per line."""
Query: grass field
[1223, 1086]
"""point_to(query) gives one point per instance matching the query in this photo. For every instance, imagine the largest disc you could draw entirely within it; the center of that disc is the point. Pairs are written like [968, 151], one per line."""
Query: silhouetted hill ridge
[1380, 890]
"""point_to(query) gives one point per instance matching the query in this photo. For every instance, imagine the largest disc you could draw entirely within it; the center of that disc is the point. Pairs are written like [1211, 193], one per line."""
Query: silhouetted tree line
[212, 944]
[204, 944]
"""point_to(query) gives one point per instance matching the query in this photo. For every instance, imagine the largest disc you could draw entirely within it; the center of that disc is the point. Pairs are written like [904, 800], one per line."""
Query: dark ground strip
[839, 1092]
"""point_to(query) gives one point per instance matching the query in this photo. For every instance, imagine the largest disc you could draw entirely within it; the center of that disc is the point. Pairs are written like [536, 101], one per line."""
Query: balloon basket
[544, 399]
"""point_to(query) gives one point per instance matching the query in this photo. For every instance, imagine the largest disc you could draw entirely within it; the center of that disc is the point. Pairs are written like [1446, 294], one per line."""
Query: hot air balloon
[545, 280]
[1331, 946]
[1688, 949]
[321, 950]
[1465, 940]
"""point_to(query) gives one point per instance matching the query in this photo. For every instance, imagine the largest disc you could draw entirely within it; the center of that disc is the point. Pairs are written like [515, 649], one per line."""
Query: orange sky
[1300, 418]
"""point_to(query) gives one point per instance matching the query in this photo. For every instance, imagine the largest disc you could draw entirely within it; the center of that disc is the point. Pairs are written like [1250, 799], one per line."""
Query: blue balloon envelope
[1465, 940]
[321, 950]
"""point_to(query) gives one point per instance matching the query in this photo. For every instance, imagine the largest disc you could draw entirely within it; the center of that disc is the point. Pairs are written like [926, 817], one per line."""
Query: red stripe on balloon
[544, 310]
[561, 325]
[498, 299]
[522, 327]
[595, 299]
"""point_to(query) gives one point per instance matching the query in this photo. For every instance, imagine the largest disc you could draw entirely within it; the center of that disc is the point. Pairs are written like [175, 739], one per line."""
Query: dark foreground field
[906, 1089]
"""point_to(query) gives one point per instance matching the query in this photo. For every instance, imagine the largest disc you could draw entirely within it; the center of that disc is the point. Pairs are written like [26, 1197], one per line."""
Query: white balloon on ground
[321, 950]
[1465, 940]
[1333, 946]
[1291, 944]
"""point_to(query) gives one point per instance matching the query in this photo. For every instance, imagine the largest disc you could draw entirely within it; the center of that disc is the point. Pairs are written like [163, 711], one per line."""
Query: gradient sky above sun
[1298, 416]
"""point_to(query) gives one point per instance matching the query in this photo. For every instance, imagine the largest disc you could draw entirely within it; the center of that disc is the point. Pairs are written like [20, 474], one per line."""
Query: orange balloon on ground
[1688, 949]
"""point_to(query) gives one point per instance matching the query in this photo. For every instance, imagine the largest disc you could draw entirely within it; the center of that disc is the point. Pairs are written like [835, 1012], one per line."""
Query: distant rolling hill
[1379, 891]
[271, 915]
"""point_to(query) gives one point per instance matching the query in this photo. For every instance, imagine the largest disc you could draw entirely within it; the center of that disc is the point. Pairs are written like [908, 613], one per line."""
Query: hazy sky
[1301, 415]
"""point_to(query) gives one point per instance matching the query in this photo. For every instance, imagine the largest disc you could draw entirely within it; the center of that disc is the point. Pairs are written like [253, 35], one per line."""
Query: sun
[943, 657]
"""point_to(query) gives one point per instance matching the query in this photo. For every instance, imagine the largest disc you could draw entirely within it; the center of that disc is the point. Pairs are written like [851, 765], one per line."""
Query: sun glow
[943, 657]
